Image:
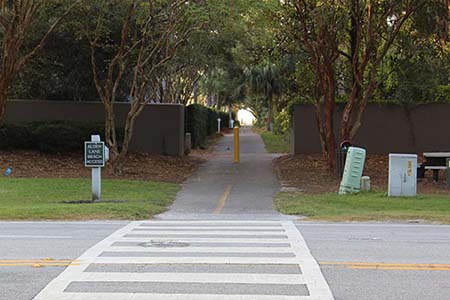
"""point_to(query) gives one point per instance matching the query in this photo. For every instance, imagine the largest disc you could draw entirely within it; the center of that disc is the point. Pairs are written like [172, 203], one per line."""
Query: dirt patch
[310, 174]
[31, 164]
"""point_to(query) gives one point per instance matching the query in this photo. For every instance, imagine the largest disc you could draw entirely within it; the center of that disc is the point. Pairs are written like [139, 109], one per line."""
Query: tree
[150, 36]
[316, 25]
[364, 41]
[265, 79]
[375, 26]
[17, 21]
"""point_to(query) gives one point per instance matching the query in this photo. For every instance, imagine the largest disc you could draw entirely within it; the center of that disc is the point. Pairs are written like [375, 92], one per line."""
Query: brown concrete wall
[385, 129]
[158, 130]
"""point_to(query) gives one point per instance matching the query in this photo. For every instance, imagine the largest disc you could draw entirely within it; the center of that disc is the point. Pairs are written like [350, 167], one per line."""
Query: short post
[448, 172]
[95, 155]
[219, 120]
[187, 143]
[96, 178]
[236, 146]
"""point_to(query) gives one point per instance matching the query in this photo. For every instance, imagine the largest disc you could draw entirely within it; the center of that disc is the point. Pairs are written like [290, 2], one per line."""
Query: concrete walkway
[224, 190]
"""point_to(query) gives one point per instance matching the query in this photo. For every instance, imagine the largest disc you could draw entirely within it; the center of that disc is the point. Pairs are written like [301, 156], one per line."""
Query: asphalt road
[28, 248]
[402, 250]
[409, 246]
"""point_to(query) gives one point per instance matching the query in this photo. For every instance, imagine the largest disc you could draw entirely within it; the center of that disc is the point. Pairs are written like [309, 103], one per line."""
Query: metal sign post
[95, 157]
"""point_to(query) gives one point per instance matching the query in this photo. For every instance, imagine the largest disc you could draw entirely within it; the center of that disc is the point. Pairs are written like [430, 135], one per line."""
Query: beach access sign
[94, 154]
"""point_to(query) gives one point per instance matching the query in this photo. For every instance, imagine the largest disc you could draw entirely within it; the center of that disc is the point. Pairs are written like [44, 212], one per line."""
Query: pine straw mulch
[31, 164]
[310, 174]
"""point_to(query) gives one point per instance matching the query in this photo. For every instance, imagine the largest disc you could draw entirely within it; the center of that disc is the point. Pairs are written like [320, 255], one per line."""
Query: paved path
[224, 190]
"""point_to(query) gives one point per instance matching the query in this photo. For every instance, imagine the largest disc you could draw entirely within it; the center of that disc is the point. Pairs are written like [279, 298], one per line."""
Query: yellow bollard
[236, 146]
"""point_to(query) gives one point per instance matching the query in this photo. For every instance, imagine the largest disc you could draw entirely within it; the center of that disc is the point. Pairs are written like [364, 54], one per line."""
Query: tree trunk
[3, 99]
[329, 126]
[324, 122]
[195, 93]
[270, 114]
[134, 112]
[346, 120]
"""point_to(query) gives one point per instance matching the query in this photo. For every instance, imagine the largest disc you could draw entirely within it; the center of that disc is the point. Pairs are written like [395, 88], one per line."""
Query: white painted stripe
[218, 233]
[201, 249]
[212, 222]
[200, 239]
[204, 227]
[197, 260]
[34, 237]
[194, 278]
[316, 283]
[129, 296]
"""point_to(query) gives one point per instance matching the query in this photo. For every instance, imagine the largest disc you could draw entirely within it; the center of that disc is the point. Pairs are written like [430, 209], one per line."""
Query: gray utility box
[402, 175]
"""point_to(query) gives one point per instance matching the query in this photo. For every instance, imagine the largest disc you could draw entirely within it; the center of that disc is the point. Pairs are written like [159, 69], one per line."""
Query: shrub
[282, 122]
[50, 136]
[201, 122]
[13, 136]
[212, 121]
[196, 123]
[58, 138]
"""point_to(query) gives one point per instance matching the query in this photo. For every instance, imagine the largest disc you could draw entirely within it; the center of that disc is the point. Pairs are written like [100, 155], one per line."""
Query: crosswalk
[195, 260]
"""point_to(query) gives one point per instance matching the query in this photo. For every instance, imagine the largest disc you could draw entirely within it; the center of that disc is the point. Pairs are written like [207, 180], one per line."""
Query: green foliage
[49, 137]
[196, 123]
[282, 122]
[442, 94]
[201, 122]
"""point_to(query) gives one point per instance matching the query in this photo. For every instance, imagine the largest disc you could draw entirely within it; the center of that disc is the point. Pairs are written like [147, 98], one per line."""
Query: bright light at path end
[245, 117]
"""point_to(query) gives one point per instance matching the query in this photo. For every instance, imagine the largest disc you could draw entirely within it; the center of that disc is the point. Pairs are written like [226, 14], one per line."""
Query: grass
[43, 199]
[365, 207]
[275, 143]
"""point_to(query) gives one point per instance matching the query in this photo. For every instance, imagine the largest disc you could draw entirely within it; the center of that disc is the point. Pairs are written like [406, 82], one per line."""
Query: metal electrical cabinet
[402, 175]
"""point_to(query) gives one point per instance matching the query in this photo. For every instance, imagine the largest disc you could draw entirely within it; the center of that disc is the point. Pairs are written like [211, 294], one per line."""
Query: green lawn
[275, 143]
[365, 207]
[43, 199]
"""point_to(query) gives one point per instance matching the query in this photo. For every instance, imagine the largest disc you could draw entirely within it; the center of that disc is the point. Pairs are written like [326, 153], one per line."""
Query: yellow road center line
[223, 200]
[37, 260]
[398, 268]
[388, 266]
[38, 264]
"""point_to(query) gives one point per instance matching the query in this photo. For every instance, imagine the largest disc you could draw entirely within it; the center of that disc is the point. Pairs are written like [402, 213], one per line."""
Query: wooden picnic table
[434, 161]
